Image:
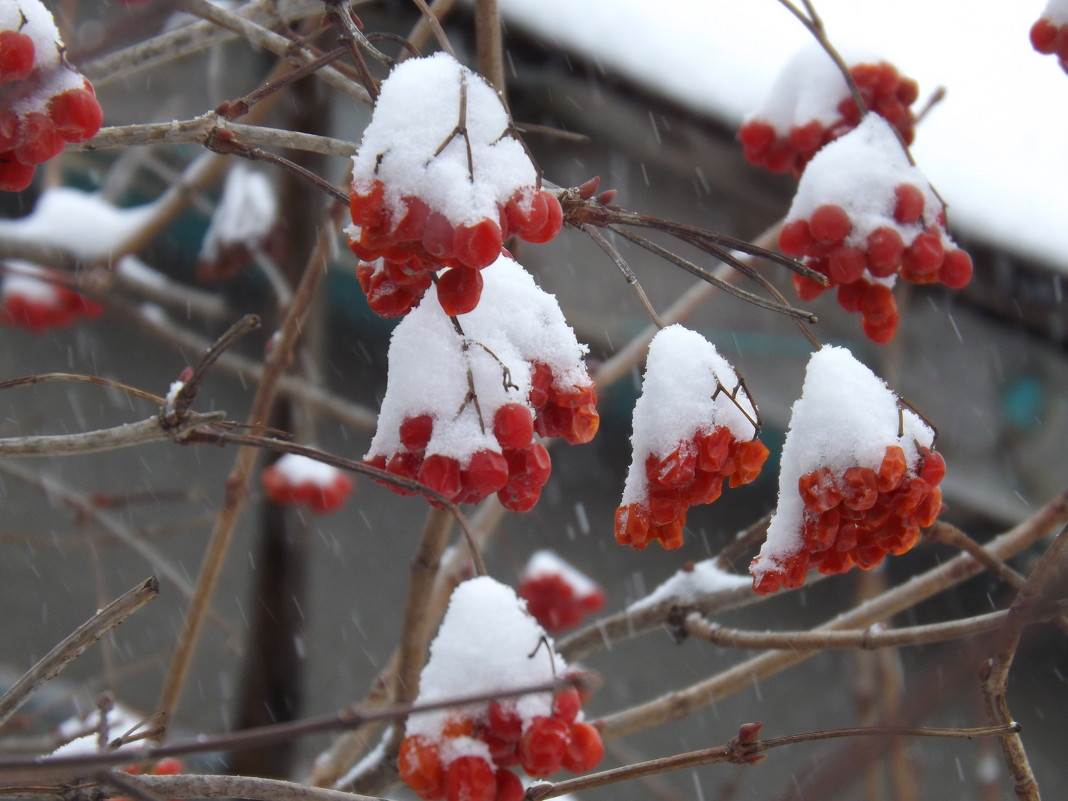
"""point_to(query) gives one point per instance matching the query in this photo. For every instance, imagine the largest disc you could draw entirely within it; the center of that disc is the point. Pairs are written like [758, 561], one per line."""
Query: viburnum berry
[470, 778]
[863, 490]
[558, 595]
[46, 102]
[459, 289]
[30, 302]
[862, 244]
[300, 480]
[810, 106]
[693, 429]
[544, 746]
[1049, 35]
[419, 764]
[586, 749]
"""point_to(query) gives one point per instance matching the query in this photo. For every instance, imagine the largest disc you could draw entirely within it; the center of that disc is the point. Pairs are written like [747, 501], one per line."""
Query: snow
[22, 281]
[688, 585]
[487, 643]
[245, 215]
[82, 223]
[417, 111]
[986, 148]
[682, 373]
[120, 720]
[548, 563]
[304, 470]
[846, 416]
[1056, 12]
[51, 75]
[514, 324]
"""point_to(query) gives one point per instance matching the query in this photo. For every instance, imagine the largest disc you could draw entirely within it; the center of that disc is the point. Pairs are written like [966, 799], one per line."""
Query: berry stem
[624, 268]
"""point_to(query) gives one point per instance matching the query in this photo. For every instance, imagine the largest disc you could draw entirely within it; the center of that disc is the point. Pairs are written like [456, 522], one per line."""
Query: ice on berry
[694, 426]
[28, 300]
[417, 113]
[242, 225]
[445, 392]
[44, 102]
[295, 479]
[810, 104]
[558, 594]
[846, 418]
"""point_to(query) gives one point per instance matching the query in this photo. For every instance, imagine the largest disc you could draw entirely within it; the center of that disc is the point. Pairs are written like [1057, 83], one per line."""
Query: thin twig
[74, 645]
[45, 378]
[624, 268]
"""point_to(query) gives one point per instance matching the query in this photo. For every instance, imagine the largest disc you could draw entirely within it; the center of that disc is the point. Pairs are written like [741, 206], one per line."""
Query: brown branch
[194, 786]
[745, 753]
[106, 439]
[45, 378]
[75, 644]
[996, 671]
[679, 703]
[488, 42]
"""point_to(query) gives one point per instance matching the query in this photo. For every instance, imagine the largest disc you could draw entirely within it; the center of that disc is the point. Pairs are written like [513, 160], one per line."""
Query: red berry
[795, 238]
[168, 767]
[806, 139]
[830, 224]
[819, 490]
[923, 258]
[586, 749]
[325, 499]
[513, 426]
[956, 269]
[908, 204]
[674, 470]
[749, 458]
[544, 744]
[1044, 36]
[892, 469]
[504, 721]
[367, 203]
[76, 114]
[756, 137]
[477, 245]
[38, 140]
[851, 296]
[441, 474]
[14, 175]
[933, 466]
[554, 220]
[808, 288]
[409, 228]
[459, 289]
[415, 432]
[486, 472]
[470, 778]
[859, 488]
[16, 56]
[885, 249]
[509, 788]
[845, 264]
[420, 766]
[632, 525]
[438, 236]
[566, 704]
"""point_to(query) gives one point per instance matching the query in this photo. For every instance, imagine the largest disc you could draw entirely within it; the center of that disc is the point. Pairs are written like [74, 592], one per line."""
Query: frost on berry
[489, 643]
[44, 101]
[446, 193]
[469, 405]
[296, 480]
[245, 224]
[558, 594]
[810, 105]
[1049, 35]
[863, 216]
[694, 427]
[859, 478]
[28, 300]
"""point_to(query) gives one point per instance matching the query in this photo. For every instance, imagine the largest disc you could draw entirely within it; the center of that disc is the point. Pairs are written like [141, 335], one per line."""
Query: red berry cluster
[42, 307]
[44, 102]
[541, 746]
[859, 516]
[401, 248]
[520, 469]
[690, 475]
[321, 496]
[1049, 38]
[883, 90]
[863, 267]
[556, 599]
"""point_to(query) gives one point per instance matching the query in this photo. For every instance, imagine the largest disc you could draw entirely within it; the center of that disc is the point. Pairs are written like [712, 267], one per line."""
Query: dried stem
[75, 644]
[489, 43]
[624, 268]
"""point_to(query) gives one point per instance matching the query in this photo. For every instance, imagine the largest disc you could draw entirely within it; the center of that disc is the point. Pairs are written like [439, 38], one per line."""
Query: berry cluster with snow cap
[294, 480]
[244, 225]
[30, 302]
[558, 594]
[44, 102]
[811, 105]
[1049, 35]
[859, 478]
[694, 426]
[438, 184]
[489, 643]
[460, 413]
[862, 216]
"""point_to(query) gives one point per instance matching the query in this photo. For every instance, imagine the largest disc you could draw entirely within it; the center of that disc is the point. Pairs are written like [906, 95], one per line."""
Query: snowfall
[996, 148]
